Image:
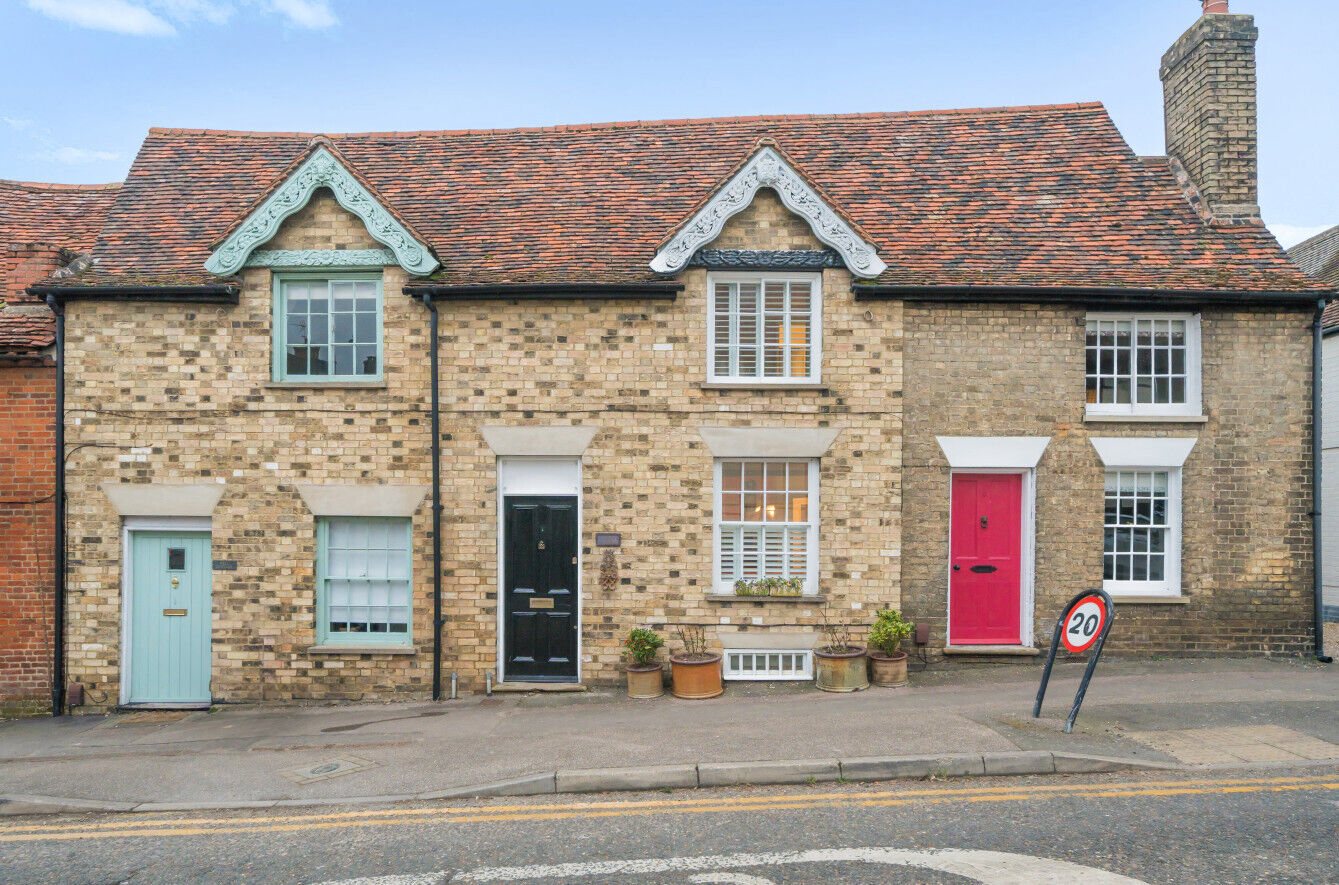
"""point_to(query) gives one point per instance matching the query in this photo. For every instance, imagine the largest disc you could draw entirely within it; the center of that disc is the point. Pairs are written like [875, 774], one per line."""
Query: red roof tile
[27, 328]
[68, 215]
[1035, 196]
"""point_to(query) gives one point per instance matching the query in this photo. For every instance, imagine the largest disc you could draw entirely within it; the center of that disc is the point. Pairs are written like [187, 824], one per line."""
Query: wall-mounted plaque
[608, 539]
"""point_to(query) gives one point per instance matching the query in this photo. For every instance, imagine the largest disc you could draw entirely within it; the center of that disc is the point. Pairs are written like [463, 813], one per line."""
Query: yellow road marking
[510, 813]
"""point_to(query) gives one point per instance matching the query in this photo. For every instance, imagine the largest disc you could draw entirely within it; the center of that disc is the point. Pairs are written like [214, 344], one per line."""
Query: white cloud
[1290, 235]
[190, 11]
[16, 124]
[71, 156]
[313, 14]
[118, 16]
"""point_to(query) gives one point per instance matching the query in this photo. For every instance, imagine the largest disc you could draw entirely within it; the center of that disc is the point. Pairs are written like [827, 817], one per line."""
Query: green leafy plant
[888, 632]
[642, 644]
[770, 587]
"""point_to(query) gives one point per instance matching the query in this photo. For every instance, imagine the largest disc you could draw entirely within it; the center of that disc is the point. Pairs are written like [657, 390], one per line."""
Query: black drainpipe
[436, 506]
[1316, 457]
[58, 629]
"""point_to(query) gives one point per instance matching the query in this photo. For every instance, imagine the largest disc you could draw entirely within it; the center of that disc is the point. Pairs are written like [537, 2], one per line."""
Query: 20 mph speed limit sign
[1083, 624]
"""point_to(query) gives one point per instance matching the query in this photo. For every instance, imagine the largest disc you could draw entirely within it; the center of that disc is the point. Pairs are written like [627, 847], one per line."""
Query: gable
[768, 169]
[320, 171]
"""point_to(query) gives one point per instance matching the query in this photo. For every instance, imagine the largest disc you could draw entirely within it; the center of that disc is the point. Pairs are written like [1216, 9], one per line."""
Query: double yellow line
[137, 826]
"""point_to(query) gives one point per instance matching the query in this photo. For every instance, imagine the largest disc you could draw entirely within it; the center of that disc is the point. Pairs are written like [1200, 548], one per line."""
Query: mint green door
[170, 618]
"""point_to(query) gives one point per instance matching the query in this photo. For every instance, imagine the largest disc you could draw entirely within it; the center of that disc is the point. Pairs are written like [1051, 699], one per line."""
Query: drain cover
[321, 771]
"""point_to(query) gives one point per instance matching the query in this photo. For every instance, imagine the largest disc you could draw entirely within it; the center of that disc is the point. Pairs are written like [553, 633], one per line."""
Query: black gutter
[207, 294]
[1317, 582]
[534, 291]
[58, 625]
[436, 504]
[1081, 295]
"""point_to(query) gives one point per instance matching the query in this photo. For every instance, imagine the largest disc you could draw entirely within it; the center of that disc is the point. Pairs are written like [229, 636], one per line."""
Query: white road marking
[986, 867]
[730, 879]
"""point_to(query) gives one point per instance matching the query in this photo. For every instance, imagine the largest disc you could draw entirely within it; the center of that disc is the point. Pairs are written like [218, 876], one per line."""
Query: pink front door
[985, 559]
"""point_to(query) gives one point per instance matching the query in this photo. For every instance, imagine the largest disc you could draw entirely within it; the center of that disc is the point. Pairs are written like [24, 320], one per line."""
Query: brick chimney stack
[1208, 89]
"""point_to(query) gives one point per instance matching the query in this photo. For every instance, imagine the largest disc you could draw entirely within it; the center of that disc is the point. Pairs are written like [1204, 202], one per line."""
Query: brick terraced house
[41, 225]
[964, 363]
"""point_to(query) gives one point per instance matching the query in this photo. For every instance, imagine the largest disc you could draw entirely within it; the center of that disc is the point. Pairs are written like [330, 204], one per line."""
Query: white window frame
[1162, 454]
[1191, 408]
[815, 375]
[811, 565]
[324, 635]
[1170, 585]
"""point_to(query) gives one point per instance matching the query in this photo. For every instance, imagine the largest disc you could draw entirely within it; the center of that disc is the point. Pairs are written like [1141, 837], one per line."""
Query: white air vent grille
[760, 663]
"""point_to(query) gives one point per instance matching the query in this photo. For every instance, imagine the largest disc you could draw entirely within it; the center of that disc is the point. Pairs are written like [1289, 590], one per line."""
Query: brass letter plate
[541, 603]
[174, 612]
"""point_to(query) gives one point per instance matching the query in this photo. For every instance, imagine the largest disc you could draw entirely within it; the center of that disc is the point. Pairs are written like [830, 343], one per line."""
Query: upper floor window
[1143, 364]
[327, 328]
[764, 328]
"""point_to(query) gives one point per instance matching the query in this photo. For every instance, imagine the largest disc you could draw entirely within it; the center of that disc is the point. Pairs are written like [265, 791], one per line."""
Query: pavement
[952, 720]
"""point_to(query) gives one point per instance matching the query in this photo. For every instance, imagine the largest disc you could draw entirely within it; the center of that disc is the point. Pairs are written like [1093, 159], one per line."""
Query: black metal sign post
[1084, 624]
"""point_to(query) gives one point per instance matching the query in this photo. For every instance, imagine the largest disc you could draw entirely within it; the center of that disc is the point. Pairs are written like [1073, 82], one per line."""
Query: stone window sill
[1148, 600]
[1146, 419]
[362, 649]
[732, 597]
[755, 387]
[327, 385]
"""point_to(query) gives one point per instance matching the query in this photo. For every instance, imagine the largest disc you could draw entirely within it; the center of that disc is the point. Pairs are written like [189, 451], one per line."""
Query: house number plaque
[608, 539]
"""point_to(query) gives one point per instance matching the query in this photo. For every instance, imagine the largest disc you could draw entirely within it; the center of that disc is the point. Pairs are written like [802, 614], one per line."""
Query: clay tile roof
[26, 328]
[1031, 196]
[67, 215]
[37, 221]
[1319, 258]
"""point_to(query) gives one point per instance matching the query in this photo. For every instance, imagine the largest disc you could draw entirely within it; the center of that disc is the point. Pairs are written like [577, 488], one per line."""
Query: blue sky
[84, 79]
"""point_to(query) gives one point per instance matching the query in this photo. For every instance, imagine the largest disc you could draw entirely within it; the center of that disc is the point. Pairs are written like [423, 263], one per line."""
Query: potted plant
[645, 676]
[838, 664]
[694, 671]
[887, 661]
[770, 587]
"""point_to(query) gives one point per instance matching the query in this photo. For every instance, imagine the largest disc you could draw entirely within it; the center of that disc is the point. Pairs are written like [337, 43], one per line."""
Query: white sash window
[766, 521]
[1143, 364]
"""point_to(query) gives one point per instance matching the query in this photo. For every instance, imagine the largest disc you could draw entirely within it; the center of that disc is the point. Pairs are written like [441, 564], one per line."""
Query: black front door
[540, 573]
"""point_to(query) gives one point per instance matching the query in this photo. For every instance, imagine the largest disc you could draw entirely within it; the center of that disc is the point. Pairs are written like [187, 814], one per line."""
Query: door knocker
[541, 545]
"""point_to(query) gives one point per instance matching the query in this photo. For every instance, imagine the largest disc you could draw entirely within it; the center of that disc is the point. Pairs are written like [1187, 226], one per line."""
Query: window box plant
[770, 587]
[839, 665]
[887, 661]
[645, 675]
[694, 671]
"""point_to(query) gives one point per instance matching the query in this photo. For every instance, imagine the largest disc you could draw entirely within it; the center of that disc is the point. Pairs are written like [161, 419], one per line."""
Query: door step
[1012, 650]
[538, 686]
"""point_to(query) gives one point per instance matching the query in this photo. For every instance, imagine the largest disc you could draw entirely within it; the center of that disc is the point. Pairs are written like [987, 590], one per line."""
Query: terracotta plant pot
[696, 678]
[887, 670]
[840, 671]
[646, 680]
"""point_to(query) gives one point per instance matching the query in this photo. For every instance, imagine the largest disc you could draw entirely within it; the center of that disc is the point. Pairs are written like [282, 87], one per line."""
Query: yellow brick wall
[180, 393]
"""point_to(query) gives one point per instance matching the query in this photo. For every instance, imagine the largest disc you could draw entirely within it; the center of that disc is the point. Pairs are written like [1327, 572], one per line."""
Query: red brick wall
[27, 567]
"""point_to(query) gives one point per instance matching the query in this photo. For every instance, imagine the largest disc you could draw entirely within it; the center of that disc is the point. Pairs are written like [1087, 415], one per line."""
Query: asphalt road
[1273, 824]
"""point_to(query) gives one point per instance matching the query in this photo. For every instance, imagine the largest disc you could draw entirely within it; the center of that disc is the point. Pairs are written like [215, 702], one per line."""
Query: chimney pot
[1215, 7]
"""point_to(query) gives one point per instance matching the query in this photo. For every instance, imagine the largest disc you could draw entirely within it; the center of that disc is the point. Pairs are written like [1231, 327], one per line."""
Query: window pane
[343, 360]
[365, 359]
[753, 475]
[367, 583]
